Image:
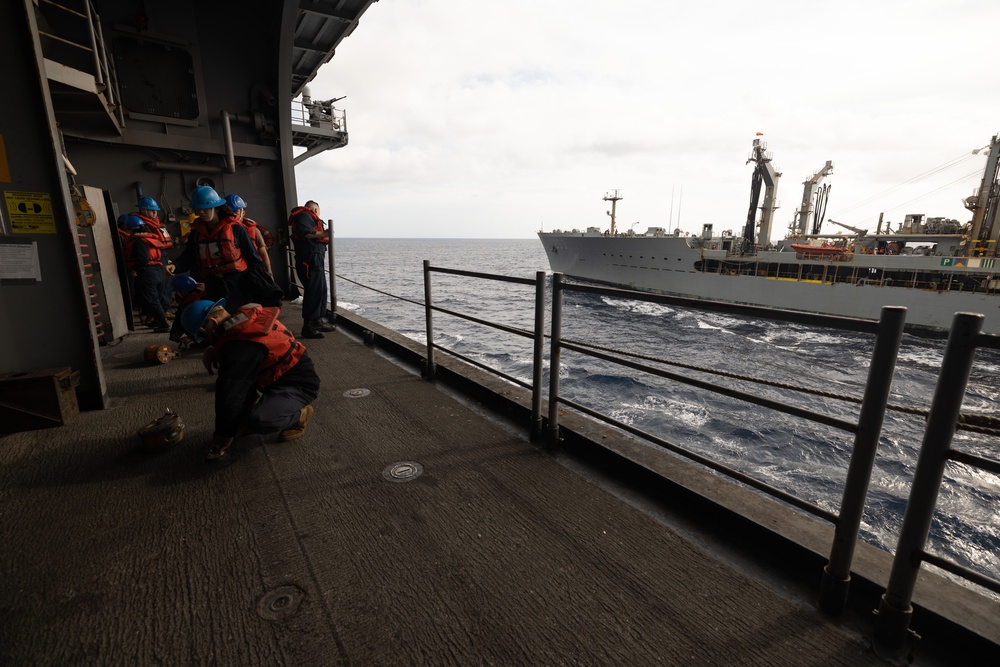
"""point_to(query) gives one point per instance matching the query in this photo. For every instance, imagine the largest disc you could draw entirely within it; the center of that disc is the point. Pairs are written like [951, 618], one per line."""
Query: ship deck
[304, 553]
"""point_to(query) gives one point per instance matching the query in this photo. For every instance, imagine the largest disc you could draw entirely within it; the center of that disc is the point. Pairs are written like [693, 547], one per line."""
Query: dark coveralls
[236, 394]
[149, 285]
[310, 266]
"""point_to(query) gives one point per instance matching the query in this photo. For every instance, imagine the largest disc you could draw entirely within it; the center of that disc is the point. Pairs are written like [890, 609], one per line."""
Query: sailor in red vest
[144, 260]
[311, 239]
[149, 213]
[266, 381]
[218, 250]
[257, 235]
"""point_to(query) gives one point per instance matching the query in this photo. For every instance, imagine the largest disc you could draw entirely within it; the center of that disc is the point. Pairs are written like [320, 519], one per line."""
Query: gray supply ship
[934, 267]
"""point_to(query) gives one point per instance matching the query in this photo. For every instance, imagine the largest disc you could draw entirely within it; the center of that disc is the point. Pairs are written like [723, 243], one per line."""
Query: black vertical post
[837, 573]
[332, 316]
[892, 637]
[537, 360]
[557, 296]
[429, 370]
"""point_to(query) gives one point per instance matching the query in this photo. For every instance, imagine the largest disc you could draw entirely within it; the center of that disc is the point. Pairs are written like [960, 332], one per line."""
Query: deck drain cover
[356, 393]
[402, 471]
[280, 603]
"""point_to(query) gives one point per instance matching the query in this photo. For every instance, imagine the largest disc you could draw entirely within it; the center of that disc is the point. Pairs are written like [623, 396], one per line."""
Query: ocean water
[796, 455]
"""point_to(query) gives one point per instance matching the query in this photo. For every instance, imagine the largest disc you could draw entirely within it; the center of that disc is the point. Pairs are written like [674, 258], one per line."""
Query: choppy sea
[793, 454]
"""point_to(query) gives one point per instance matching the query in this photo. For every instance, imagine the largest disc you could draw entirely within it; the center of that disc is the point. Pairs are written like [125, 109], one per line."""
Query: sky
[495, 120]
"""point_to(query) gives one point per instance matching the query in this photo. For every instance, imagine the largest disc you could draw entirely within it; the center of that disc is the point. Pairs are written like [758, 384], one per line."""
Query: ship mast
[614, 197]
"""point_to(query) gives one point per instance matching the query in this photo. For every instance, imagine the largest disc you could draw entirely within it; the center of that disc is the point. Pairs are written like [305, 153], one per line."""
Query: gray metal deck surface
[304, 553]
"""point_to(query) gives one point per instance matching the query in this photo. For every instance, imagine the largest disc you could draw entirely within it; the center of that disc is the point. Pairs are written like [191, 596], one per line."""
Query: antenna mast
[614, 197]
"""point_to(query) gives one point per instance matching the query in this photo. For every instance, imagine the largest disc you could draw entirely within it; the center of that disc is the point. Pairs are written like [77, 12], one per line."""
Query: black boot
[309, 331]
[323, 325]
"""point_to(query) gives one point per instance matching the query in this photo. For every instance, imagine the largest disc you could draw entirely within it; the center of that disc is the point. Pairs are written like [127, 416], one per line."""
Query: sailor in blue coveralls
[311, 239]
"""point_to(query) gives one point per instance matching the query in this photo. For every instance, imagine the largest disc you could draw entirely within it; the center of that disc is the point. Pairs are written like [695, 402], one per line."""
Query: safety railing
[888, 334]
[320, 115]
[538, 335]
[72, 35]
[891, 636]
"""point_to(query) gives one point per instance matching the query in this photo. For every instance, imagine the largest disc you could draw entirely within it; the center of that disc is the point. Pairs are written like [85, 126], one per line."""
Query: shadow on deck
[309, 553]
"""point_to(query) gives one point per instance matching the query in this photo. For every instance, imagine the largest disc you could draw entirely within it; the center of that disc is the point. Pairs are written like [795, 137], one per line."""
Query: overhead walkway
[405, 528]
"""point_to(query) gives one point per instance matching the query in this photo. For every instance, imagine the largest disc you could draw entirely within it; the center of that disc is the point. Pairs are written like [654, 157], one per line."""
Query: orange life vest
[258, 324]
[317, 223]
[252, 225]
[155, 250]
[217, 252]
[159, 230]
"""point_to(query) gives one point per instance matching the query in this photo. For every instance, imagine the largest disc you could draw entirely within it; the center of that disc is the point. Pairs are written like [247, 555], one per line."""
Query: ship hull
[671, 266]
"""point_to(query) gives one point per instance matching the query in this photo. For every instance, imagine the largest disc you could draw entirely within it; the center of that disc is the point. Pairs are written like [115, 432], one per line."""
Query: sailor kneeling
[266, 381]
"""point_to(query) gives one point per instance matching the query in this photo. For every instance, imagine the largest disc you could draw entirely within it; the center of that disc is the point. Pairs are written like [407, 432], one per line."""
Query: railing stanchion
[537, 359]
[837, 573]
[94, 47]
[557, 297]
[332, 315]
[429, 369]
[892, 635]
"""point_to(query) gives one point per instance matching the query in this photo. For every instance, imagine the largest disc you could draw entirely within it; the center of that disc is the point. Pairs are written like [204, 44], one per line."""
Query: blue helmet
[133, 222]
[147, 204]
[236, 202]
[122, 219]
[183, 283]
[204, 198]
[194, 316]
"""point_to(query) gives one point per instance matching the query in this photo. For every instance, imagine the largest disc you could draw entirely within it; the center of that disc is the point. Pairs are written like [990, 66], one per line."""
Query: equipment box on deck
[37, 399]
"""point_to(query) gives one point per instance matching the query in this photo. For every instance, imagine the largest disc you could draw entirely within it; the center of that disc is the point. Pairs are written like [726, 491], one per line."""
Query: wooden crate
[37, 399]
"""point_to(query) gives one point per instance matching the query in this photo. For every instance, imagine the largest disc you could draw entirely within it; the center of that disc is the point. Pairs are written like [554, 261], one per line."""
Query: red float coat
[317, 223]
[217, 252]
[257, 324]
[155, 249]
[157, 229]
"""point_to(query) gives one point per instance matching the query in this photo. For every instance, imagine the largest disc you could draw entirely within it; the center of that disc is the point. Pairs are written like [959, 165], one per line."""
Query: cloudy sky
[493, 120]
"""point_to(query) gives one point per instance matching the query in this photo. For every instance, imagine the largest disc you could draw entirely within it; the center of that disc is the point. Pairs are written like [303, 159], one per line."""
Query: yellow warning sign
[30, 212]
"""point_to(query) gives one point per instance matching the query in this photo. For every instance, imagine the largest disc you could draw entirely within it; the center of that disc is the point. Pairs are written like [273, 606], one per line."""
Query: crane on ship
[764, 173]
[985, 204]
[812, 192]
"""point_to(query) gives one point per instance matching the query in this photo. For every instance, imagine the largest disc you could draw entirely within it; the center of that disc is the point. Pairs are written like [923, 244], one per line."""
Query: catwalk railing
[892, 636]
